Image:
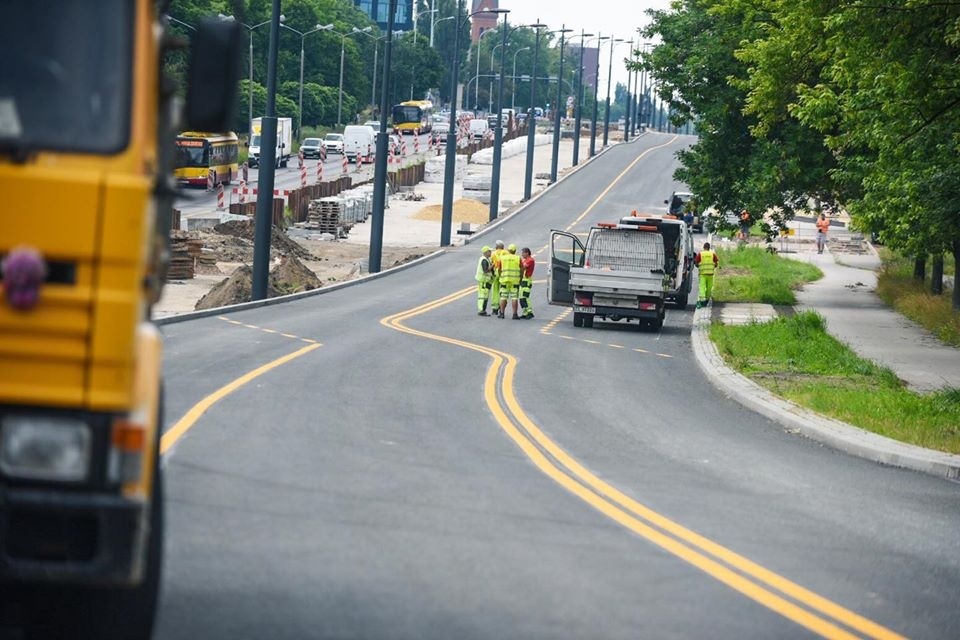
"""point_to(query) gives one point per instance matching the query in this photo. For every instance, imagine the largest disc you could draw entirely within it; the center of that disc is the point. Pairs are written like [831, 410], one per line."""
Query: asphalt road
[412, 470]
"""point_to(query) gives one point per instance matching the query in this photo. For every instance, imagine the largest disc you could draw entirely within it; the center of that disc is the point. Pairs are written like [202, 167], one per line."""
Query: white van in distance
[359, 140]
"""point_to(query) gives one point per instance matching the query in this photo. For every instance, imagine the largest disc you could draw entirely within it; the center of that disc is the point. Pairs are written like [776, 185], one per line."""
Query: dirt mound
[292, 276]
[288, 276]
[280, 243]
[238, 287]
[464, 210]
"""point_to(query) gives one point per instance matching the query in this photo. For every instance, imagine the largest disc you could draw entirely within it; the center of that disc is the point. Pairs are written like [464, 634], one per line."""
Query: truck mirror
[213, 75]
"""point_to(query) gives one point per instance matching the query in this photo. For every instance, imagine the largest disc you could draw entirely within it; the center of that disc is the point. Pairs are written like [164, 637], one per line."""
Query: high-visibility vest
[509, 269]
[706, 262]
[484, 276]
[495, 259]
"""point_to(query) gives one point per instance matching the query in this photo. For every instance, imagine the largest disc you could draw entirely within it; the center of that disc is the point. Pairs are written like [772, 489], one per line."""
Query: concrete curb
[834, 433]
[256, 304]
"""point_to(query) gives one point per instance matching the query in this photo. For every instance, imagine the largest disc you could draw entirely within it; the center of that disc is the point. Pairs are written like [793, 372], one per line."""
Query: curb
[833, 433]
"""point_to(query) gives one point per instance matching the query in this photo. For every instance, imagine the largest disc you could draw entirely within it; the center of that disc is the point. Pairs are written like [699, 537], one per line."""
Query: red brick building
[483, 21]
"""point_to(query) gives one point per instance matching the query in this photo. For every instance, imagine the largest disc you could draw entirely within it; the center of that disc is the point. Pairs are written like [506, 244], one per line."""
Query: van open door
[566, 251]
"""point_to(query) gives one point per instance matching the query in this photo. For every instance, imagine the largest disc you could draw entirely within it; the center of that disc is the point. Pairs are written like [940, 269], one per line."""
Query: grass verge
[896, 287]
[751, 274]
[798, 360]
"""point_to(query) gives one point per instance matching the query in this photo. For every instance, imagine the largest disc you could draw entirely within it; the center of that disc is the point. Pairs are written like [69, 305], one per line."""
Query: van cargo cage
[625, 250]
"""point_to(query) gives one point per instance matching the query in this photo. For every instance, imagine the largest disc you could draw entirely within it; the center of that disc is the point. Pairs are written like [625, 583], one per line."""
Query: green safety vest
[706, 262]
[509, 269]
[484, 277]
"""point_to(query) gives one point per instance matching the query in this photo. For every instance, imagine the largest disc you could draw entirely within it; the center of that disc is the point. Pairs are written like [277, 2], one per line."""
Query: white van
[478, 128]
[359, 140]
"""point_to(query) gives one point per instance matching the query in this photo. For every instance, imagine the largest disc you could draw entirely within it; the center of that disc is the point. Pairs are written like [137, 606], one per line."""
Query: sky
[619, 17]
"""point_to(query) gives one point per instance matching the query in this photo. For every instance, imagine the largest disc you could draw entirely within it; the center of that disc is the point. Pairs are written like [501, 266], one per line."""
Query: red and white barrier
[416, 143]
[210, 180]
[320, 170]
[323, 153]
[359, 162]
[403, 148]
[345, 163]
[245, 191]
[303, 174]
[300, 164]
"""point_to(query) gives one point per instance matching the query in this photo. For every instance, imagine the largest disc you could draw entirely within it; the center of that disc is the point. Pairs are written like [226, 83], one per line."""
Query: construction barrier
[320, 169]
[242, 192]
[220, 200]
[345, 163]
[303, 173]
[210, 180]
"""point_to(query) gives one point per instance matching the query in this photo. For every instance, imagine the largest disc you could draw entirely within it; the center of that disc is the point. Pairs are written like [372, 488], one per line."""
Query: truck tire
[682, 300]
[587, 321]
[578, 319]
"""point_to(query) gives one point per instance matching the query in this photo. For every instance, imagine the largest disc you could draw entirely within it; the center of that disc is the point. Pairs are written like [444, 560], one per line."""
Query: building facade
[482, 21]
[377, 10]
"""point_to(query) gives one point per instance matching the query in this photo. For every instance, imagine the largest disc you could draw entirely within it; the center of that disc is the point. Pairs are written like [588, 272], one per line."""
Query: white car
[333, 142]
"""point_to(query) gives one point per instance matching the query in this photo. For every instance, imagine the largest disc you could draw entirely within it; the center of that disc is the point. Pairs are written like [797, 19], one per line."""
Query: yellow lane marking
[651, 525]
[603, 194]
[171, 436]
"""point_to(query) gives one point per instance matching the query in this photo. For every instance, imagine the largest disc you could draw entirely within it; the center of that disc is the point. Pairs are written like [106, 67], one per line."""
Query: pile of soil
[288, 276]
[464, 210]
[280, 243]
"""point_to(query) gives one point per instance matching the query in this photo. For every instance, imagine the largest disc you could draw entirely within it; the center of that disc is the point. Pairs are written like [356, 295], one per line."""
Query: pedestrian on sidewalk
[484, 279]
[823, 225]
[495, 262]
[744, 226]
[527, 265]
[707, 263]
[509, 281]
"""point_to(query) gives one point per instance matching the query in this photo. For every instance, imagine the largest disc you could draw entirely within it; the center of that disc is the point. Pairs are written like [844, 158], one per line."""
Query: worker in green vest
[707, 262]
[484, 279]
[498, 250]
[509, 280]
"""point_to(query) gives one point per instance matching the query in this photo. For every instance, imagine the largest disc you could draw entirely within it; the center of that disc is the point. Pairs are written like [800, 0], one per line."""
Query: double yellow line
[773, 591]
[792, 601]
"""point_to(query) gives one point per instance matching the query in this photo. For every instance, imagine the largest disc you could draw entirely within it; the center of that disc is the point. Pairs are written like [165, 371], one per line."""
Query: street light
[181, 22]
[343, 39]
[596, 100]
[513, 80]
[303, 36]
[476, 86]
[626, 122]
[376, 49]
[531, 114]
[606, 116]
[419, 15]
[451, 151]
[498, 133]
[493, 51]
[554, 160]
[579, 105]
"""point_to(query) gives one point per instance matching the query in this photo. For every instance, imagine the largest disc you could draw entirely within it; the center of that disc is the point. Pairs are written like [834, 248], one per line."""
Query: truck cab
[86, 167]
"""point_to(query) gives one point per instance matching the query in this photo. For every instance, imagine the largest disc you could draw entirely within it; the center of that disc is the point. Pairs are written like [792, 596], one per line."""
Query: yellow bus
[411, 116]
[200, 153]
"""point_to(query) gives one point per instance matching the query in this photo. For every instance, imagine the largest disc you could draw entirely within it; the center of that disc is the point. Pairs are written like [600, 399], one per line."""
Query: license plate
[585, 309]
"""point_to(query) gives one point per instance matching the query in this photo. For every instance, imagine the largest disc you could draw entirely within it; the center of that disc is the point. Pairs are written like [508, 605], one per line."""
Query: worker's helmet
[512, 248]
[485, 249]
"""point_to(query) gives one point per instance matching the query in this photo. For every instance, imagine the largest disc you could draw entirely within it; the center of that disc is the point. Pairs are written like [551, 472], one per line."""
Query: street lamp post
[606, 116]
[476, 86]
[579, 105]
[380, 166]
[451, 151]
[490, 88]
[596, 100]
[554, 160]
[303, 36]
[531, 116]
[513, 80]
[498, 134]
[626, 122]
[420, 15]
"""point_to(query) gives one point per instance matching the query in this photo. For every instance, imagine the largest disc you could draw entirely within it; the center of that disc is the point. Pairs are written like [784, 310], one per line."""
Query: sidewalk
[854, 315]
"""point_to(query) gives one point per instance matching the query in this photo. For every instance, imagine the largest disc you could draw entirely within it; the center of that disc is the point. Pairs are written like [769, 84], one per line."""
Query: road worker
[707, 262]
[527, 264]
[509, 280]
[484, 281]
[495, 261]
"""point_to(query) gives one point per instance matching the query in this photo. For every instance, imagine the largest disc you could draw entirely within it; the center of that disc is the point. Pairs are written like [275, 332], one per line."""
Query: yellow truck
[87, 127]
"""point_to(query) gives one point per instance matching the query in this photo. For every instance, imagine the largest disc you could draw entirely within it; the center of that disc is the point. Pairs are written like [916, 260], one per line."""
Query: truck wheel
[587, 321]
[578, 319]
[682, 300]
